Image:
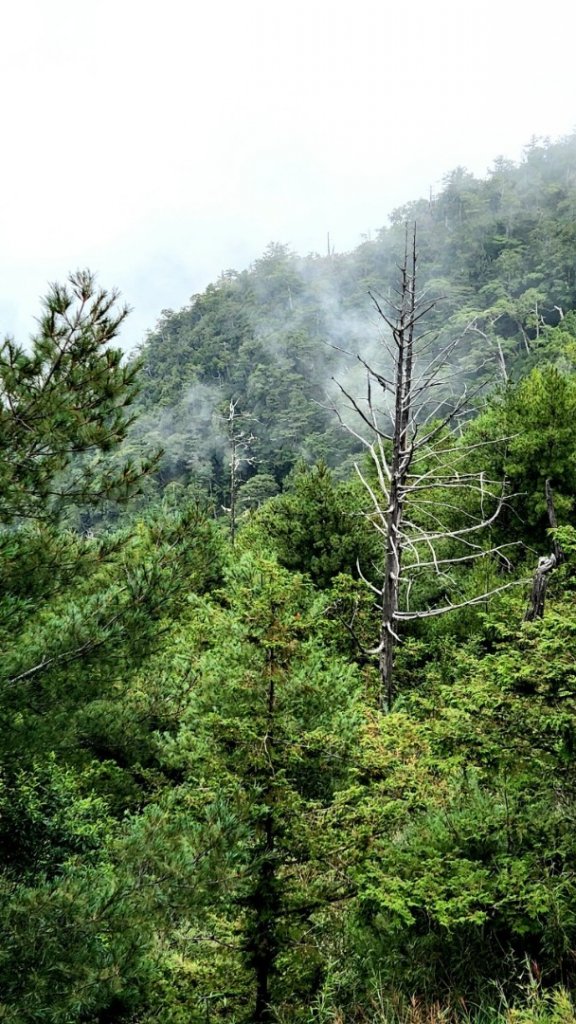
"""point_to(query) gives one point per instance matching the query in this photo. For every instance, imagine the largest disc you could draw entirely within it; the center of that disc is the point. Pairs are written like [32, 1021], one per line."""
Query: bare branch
[479, 599]
[482, 553]
[355, 406]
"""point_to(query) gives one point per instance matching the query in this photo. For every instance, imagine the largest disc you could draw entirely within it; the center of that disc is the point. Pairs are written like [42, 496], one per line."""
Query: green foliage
[257, 490]
[270, 728]
[500, 253]
[83, 888]
[473, 787]
[549, 1008]
[202, 814]
[528, 437]
[94, 848]
[66, 397]
[45, 820]
[318, 527]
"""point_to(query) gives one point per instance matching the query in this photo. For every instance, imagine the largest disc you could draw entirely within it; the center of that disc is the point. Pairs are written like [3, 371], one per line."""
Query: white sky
[160, 144]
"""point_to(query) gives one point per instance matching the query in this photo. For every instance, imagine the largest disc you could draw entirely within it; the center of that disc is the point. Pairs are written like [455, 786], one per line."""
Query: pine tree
[270, 729]
[64, 399]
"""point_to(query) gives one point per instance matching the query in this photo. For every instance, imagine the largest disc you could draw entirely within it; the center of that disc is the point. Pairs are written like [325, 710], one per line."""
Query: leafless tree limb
[424, 417]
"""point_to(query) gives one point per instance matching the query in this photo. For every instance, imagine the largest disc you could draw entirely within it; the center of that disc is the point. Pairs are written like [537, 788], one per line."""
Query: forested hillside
[288, 697]
[497, 254]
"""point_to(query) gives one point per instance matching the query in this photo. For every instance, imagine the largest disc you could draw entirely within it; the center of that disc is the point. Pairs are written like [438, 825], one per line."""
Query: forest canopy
[208, 812]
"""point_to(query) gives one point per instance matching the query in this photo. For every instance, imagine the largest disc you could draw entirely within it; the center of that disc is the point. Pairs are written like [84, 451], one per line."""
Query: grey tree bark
[415, 461]
[546, 565]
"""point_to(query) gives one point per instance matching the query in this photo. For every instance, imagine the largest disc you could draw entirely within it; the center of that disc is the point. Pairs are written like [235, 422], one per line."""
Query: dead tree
[420, 469]
[546, 565]
[240, 442]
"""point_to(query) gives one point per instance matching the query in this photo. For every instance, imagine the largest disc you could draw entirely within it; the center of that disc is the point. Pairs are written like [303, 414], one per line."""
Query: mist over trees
[496, 253]
[207, 811]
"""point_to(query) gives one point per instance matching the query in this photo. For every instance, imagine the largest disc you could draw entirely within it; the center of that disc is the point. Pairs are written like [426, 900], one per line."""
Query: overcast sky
[161, 143]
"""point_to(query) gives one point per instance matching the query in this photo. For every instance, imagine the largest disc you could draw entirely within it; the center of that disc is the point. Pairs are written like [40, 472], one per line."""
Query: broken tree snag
[535, 609]
[546, 565]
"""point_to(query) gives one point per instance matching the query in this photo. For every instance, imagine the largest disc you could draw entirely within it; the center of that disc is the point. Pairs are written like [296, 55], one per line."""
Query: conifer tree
[270, 729]
[67, 397]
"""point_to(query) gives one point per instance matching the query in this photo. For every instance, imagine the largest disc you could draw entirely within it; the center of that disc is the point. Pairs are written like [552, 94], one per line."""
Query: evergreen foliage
[204, 813]
[65, 398]
[496, 252]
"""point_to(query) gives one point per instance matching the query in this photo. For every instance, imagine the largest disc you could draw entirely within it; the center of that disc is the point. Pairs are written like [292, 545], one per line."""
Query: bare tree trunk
[240, 443]
[403, 334]
[388, 636]
[233, 483]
